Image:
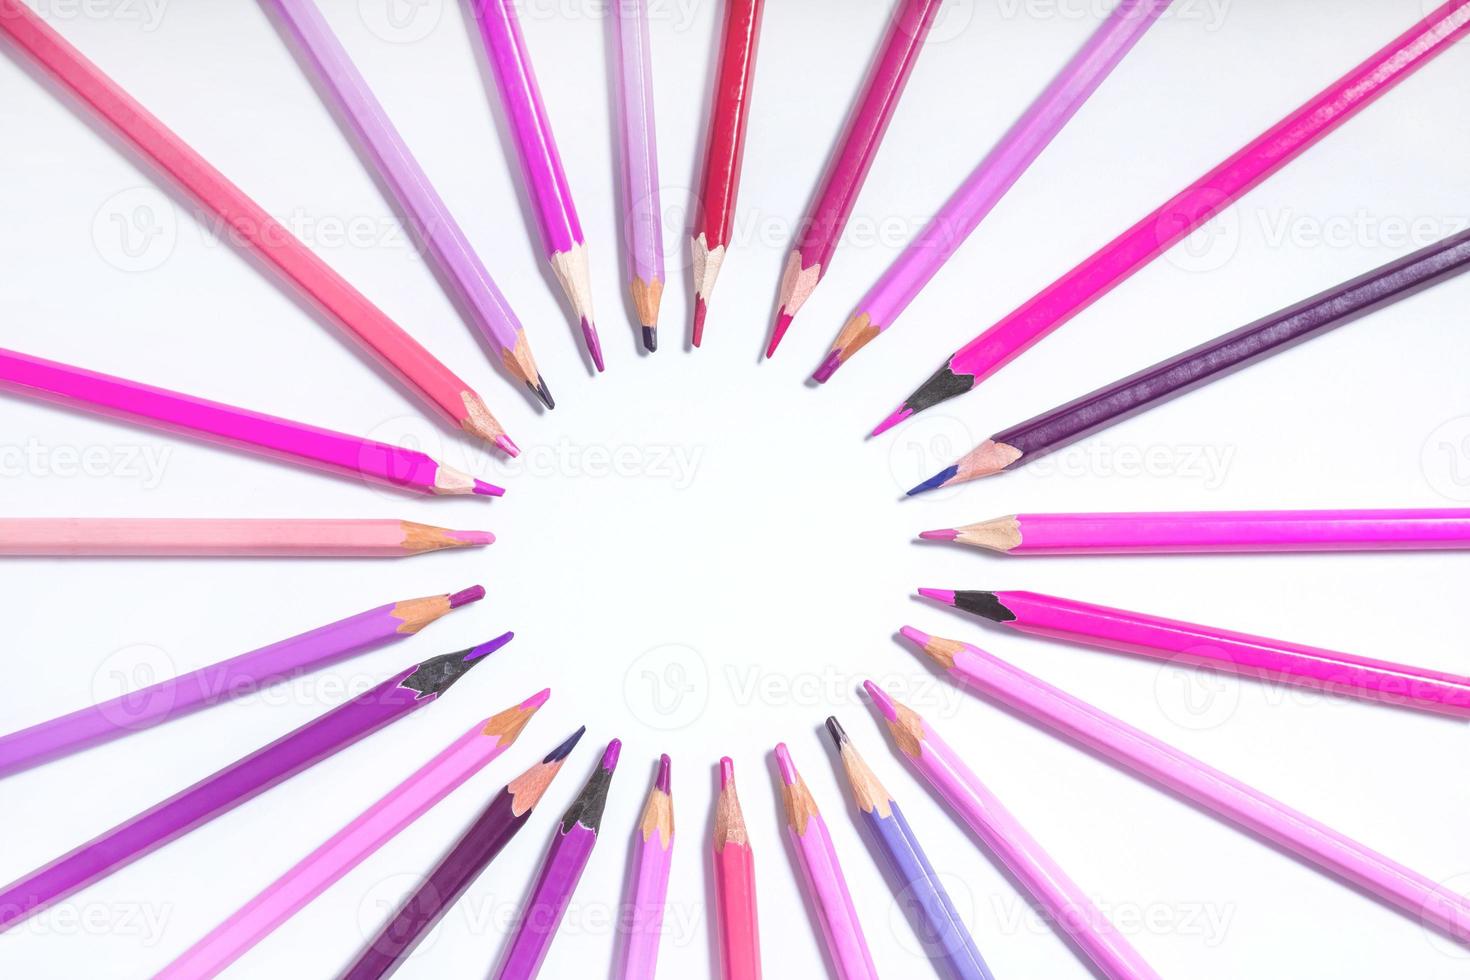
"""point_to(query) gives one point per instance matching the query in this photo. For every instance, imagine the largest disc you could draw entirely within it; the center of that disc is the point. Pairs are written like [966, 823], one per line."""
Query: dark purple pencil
[486, 837]
[1209, 361]
[570, 848]
[238, 782]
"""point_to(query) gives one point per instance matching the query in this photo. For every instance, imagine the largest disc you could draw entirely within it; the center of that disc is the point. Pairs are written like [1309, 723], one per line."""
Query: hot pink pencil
[232, 538]
[1422, 899]
[1173, 221]
[821, 230]
[239, 428]
[382, 821]
[1198, 532]
[1206, 646]
[653, 852]
[817, 859]
[1066, 904]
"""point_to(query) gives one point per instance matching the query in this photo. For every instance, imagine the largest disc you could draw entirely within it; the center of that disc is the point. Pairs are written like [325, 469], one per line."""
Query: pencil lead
[936, 648]
[650, 339]
[699, 311]
[897, 416]
[565, 748]
[471, 539]
[611, 753]
[727, 772]
[661, 783]
[947, 534]
[944, 596]
[887, 707]
[539, 389]
[594, 344]
[934, 482]
[828, 367]
[488, 489]
[916, 636]
[466, 596]
[437, 674]
[783, 323]
[789, 775]
[536, 700]
[838, 733]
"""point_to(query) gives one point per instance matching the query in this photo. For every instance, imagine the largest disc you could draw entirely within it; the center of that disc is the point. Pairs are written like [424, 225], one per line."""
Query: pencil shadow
[711, 891]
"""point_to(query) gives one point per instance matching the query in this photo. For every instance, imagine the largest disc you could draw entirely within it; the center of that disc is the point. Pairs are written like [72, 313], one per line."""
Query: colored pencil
[353, 844]
[155, 704]
[1417, 896]
[242, 780]
[816, 857]
[430, 217]
[1177, 217]
[248, 222]
[546, 181]
[1065, 903]
[1276, 661]
[500, 821]
[111, 537]
[821, 229]
[237, 428]
[719, 186]
[737, 924]
[648, 886]
[571, 846]
[638, 145]
[1209, 362]
[990, 181]
[946, 938]
[1214, 532]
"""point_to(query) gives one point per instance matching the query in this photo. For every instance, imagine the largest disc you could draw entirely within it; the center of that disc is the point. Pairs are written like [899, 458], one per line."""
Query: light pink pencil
[653, 851]
[1066, 904]
[1412, 893]
[226, 538]
[378, 824]
[822, 873]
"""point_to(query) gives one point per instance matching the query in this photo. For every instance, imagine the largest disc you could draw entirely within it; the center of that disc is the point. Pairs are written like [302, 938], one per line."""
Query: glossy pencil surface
[1066, 904]
[226, 538]
[648, 886]
[248, 222]
[638, 149]
[1277, 661]
[1417, 896]
[1177, 217]
[737, 923]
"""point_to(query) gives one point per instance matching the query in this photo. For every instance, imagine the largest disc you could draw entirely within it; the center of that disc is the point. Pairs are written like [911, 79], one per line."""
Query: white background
[748, 566]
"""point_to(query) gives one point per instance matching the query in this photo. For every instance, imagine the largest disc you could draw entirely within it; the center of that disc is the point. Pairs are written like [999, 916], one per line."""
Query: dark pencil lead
[437, 674]
[540, 390]
[937, 480]
[650, 339]
[565, 749]
[838, 733]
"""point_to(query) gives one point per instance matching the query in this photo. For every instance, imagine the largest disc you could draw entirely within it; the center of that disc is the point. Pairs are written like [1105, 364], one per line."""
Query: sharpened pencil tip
[594, 344]
[538, 699]
[936, 481]
[466, 596]
[828, 367]
[783, 323]
[488, 489]
[915, 636]
[945, 596]
[947, 534]
[899, 414]
[661, 783]
[543, 393]
[507, 445]
[650, 339]
[727, 772]
[789, 774]
[700, 308]
[886, 705]
[472, 539]
[489, 647]
[611, 753]
[565, 749]
[838, 733]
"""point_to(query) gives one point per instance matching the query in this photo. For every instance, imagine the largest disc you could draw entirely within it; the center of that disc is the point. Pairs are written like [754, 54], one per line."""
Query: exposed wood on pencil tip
[904, 724]
[940, 650]
[414, 614]
[527, 789]
[420, 538]
[867, 791]
[658, 811]
[797, 283]
[647, 297]
[854, 336]
[998, 534]
[729, 820]
[480, 422]
[508, 724]
[796, 798]
[519, 363]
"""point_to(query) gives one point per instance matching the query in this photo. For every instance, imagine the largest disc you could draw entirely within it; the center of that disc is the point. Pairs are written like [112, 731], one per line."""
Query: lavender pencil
[653, 851]
[643, 212]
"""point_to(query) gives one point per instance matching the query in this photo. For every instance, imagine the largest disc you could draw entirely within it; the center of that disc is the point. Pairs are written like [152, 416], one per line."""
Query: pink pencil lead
[783, 322]
[948, 534]
[898, 416]
[661, 782]
[915, 636]
[538, 699]
[945, 596]
[488, 489]
[466, 596]
[880, 697]
[507, 445]
[787, 767]
[610, 756]
[727, 772]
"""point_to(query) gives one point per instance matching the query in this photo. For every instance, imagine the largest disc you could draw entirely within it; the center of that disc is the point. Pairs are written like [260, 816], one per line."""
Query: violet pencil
[648, 886]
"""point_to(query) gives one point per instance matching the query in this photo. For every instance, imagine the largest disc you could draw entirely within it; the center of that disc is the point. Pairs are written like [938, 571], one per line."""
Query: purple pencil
[653, 851]
[556, 215]
[178, 696]
[643, 212]
[238, 782]
[571, 846]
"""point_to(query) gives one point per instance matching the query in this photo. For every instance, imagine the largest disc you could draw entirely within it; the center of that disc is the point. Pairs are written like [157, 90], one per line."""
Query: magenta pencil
[1226, 650]
[653, 853]
[1210, 532]
[238, 428]
[816, 857]
[155, 704]
[1066, 903]
[108, 537]
[1417, 896]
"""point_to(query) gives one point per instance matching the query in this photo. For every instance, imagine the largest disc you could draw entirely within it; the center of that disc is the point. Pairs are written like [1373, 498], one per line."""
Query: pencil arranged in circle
[491, 831]
[1177, 217]
[546, 181]
[571, 846]
[237, 428]
[354, 843]
[737, 924]
[638, 149]
[135, 537]
[724, 153]
[945, 937]
[247, 673]
[431, 218]
[1210, 361]
[648, 886]
[821, 230]
[1065, 903]
[1277, 661]
[1215, 532]
[816, 858]
[1417, 896]
[388, 343]
[242, 780]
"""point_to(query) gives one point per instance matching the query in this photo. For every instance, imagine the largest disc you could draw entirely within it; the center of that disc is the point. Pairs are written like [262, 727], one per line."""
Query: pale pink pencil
[1200, 532]
[653, 852]
[78, 537]
[820, 870]
[1066, 904]
[315, 873]
[1417, 896]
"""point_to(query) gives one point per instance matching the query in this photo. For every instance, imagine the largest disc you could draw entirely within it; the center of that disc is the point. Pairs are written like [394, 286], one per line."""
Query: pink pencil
[1200, 532]
[226, 538]
[820, 869]
[653, 852]
[1417, 896]
[238, 428]
[382, 821]
[1066, 904]
[1206, 646]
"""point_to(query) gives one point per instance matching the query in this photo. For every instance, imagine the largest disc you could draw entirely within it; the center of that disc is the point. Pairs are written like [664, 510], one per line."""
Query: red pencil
[724, 149]
[736, 922]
